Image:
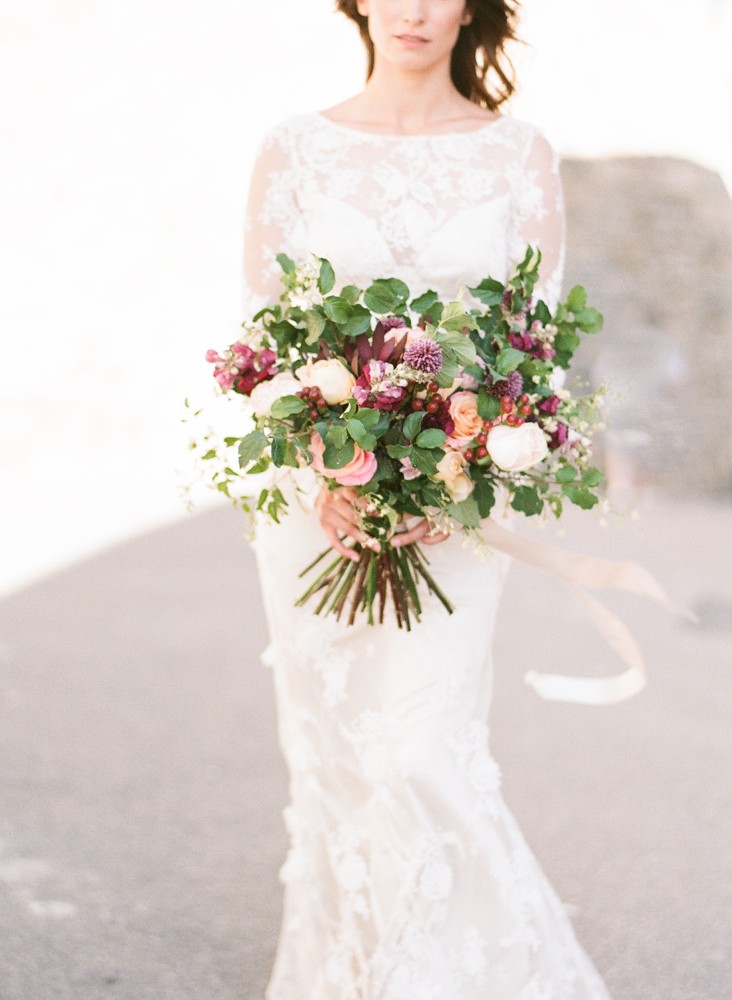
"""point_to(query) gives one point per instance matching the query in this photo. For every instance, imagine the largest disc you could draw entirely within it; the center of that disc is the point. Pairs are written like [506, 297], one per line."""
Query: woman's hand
[422, 532]
[338, 512]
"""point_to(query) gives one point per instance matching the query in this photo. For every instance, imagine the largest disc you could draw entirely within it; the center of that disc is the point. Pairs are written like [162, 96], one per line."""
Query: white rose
[330, 376]
[515, 449]
[266, 393]
[451, 472]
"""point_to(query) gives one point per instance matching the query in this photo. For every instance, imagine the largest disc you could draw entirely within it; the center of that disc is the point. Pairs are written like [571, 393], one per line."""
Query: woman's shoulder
[286, 129]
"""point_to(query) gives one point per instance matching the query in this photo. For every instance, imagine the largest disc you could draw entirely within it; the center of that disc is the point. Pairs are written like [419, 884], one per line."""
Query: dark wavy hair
[480, 68]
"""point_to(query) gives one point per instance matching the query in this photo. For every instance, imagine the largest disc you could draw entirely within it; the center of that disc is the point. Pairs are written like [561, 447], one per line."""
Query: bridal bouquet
[426, 408]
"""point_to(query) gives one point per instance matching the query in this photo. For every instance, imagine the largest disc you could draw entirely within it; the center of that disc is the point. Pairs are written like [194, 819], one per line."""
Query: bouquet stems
[351, 587]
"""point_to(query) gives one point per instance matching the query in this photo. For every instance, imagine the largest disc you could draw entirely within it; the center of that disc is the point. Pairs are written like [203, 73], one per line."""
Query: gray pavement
[141, 786]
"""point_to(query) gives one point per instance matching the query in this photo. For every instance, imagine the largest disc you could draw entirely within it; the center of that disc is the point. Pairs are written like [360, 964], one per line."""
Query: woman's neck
[406, 103]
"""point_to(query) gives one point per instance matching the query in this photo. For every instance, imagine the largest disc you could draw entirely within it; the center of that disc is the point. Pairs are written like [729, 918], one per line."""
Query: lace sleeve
[538, 216]
[273, 219]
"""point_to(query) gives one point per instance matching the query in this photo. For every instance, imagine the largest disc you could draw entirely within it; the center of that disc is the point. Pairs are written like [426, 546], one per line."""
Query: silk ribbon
[578, 572]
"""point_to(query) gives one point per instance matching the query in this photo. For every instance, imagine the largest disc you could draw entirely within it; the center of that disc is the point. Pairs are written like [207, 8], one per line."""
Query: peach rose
[451, 471]
[464, 412]
[357, 472]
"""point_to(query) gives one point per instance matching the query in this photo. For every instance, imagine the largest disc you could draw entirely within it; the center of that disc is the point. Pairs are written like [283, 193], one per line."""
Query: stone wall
[651, 240]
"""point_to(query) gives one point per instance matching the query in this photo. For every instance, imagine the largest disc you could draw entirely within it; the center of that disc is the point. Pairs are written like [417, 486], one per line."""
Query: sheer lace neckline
[418, 135]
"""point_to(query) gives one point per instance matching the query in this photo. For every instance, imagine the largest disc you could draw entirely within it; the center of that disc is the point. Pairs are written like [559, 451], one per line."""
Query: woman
[407, 877]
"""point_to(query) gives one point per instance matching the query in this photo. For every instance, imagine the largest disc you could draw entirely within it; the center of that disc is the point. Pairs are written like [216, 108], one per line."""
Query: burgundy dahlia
[424, 355]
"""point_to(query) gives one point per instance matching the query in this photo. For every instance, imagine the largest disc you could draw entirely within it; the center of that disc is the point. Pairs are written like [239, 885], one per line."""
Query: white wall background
[128, 129]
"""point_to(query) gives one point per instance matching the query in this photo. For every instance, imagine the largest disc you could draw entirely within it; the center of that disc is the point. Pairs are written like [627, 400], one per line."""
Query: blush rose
[359, 471]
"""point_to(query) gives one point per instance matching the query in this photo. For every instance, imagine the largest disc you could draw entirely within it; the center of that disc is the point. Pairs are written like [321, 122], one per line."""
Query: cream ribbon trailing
[578, 572]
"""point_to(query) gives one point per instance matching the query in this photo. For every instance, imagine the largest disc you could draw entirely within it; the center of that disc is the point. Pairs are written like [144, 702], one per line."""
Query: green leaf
[458, 347]
[466, 512]
[589, 320]
[484, 496]
[432, 437]
[580, 496]
[326, 278]
[423, 303]
[287, 265]
[386, 295]
[488, 406]
[368, 416]
[489, 292]
[509, 359]
[398, 450]
[336, 457]
[423, 461]
[279, 448]
[336, 435]
[338, 309]
[351, 294]
[360, 435]
[315, 324]
[287, 406]
[359, 322]
[261, 466]
[592, 477]
[251, 447]
[412, 424]
[527, 500]
[577, 299]
[566, 474]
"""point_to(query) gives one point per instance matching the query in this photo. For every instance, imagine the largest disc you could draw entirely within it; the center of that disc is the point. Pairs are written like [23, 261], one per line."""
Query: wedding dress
[407, 878]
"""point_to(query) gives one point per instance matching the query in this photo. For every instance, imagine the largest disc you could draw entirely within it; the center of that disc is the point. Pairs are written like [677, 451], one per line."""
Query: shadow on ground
[141, 788]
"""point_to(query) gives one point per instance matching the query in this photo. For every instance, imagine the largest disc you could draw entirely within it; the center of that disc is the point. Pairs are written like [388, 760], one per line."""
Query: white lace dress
[407, 877]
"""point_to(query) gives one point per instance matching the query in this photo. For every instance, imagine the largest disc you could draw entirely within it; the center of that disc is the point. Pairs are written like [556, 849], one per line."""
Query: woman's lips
[412, 41]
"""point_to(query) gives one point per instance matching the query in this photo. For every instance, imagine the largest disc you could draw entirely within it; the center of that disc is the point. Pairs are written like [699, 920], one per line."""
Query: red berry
[469, 455]
[519, 421]
[320, 403]
[417, 404]
[314, 392]
[525, 409]
[482, 451]
[506, 404]
[487, 424]
[433, 406]
[314, 414]
[511, 419]
[433, 386]
[482, 438]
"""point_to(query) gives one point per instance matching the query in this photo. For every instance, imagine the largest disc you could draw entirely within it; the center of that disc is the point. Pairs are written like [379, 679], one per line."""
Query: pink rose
[357, 472]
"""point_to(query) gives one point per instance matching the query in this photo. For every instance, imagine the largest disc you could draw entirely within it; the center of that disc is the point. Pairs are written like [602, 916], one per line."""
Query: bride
[407, 877]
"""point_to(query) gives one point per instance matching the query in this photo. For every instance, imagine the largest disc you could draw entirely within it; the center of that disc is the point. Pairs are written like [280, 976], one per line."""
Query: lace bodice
[438, 211]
